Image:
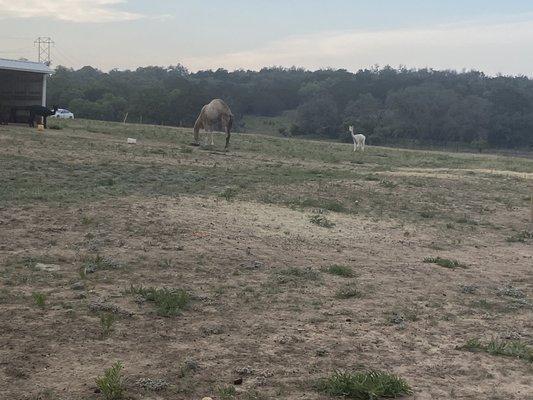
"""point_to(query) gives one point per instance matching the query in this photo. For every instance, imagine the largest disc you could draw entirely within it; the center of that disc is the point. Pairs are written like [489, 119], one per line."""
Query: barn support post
[43, 100]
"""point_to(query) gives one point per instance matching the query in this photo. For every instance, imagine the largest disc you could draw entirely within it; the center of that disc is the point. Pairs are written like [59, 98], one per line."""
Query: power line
[70, 58]
[44, 44]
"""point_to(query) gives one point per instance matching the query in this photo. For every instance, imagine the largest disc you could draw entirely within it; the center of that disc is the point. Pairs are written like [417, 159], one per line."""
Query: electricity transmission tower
[43, 45]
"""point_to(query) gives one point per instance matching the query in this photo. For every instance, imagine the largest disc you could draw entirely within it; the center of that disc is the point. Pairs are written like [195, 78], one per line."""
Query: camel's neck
[198, 125]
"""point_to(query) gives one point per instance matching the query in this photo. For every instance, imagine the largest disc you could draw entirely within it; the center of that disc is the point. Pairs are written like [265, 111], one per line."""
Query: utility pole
[43, 45]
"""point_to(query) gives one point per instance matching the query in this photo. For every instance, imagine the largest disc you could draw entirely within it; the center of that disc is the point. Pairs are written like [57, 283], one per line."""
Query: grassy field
[281, 269]
[268, 125]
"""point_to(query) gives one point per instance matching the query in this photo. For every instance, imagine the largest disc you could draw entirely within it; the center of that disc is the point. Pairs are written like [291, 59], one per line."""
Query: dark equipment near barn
[22, 87]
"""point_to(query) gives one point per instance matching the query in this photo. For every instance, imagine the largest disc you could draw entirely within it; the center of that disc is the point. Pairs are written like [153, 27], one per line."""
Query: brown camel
[212, 115]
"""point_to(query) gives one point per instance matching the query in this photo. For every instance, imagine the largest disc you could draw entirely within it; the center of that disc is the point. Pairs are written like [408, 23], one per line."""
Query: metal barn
[22, 84]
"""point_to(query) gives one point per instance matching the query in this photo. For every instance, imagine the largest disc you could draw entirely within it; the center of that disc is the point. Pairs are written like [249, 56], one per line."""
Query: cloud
[491, 47]
[67, 10]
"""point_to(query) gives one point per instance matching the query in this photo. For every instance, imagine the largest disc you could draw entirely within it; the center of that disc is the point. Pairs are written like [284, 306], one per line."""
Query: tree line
[388, 105]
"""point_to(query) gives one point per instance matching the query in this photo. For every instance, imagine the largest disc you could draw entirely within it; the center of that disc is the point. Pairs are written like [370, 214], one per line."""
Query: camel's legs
[228, 134]
[212, 142]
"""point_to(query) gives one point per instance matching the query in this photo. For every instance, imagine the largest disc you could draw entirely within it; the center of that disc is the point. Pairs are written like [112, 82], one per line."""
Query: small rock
[77, 286]
[237, 381]
[207, 398]
[47, 267]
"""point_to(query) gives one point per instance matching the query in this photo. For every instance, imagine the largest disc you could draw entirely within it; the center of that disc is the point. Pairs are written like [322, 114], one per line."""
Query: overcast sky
[491, 35]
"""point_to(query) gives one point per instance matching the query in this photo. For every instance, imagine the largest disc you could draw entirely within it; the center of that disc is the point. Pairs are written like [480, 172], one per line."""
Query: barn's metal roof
[26, 66]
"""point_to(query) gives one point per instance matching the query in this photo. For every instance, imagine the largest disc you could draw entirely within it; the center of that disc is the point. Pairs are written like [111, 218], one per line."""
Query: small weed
[291, 274]
[366, 385]
[255, 395]
[465, 220]
[154, 385]
[348, 292]
[86, 220]
[473, 344]
[388, 184]
[321, 221]
[189, 366]
[106, 182]
[98, 262]
[520, 237]
[166, 263]
[29, 262]
[229, 193]
[106, 323]
[486, 305]
[444, 262]
[399, 317]
[111, 383]
[511, 291]
[506, 348]
[39, 299]
[427, 214]
[340, 270]
[227, 392]
[371, 178]
[469, 289]
[169, 302]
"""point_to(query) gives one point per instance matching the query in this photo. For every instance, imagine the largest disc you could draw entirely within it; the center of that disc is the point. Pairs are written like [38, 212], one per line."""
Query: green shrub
[506, 348]
[111, 383]
[444, 262]
[39, 299]
[169, 302]
[321, 221]
[366, 385]
[340, 270]
[106, 323]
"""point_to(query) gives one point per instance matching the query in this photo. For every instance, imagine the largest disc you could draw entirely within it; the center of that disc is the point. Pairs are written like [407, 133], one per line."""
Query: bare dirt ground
[235, 231]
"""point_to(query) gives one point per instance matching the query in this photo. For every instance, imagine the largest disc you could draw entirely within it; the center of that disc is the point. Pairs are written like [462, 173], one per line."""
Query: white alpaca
[358, 140]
